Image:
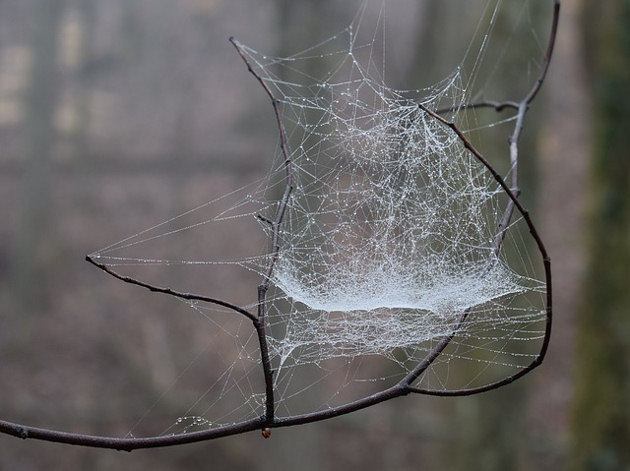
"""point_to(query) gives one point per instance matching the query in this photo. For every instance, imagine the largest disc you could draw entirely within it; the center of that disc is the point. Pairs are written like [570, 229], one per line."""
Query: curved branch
[284, 148]
[169, 291]
[126, 444]
[275, 237]
[548, 54]
[512, 192]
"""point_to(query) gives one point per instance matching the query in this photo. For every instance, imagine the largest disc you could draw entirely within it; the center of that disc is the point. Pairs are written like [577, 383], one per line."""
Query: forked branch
[268, 420]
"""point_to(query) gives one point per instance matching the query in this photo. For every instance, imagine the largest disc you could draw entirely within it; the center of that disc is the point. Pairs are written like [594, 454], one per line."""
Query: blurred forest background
[116, 114]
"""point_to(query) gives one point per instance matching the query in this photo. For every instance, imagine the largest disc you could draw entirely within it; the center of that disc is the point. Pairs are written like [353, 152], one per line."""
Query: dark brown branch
[523, 107]
[513, 203]
[126, 444]
[435, 352]
[169, 291]
[548, 54]
[270, 403]
[275, 238]
[497, 105]
[284, 148]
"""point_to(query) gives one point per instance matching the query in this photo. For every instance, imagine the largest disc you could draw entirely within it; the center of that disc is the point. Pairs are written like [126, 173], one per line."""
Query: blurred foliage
[601, 418]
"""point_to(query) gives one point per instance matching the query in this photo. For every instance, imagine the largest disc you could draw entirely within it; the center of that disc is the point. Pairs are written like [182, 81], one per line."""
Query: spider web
[388, 238]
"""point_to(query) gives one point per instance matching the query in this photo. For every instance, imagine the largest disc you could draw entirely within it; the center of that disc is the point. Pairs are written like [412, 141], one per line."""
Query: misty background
[117, 114]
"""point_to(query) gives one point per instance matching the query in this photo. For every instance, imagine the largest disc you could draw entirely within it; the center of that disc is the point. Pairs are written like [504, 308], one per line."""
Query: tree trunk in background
[601, 415]
[564, 145]
[88, 23]
[32, 248]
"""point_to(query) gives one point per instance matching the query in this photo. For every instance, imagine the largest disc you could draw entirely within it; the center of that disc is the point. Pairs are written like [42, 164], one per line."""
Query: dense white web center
[391, 221]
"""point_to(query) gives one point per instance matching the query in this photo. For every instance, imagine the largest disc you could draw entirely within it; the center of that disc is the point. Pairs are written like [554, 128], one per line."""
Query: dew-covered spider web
[378, 232]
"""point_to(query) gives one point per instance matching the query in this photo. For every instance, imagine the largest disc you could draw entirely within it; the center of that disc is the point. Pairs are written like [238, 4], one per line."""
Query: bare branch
[497, 105]
[275, 239]
[404, 386]
[126, 444]
[169, 291]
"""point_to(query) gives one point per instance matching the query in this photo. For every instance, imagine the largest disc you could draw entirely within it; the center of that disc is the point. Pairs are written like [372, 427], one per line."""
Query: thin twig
[275, 239]
[284, 148]
[126, 444]
[169, 291]
[498, 106]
